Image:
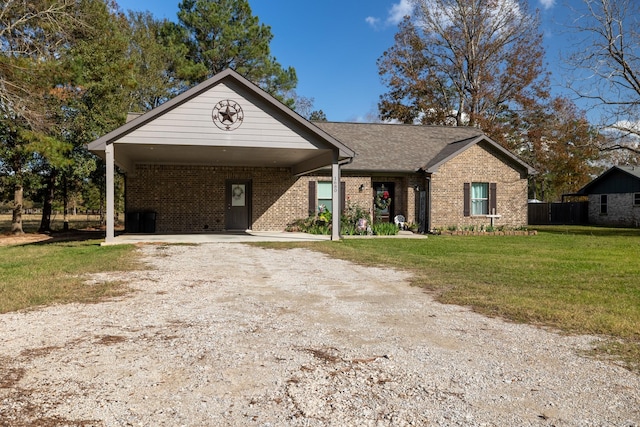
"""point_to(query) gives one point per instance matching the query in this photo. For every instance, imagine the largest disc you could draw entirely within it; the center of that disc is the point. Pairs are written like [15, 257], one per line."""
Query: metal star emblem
[227, 115]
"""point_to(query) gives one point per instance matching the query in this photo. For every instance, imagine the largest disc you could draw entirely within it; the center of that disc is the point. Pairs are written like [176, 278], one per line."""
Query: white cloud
[374, 22]
[547, 4]
[399, 11]
[396, 14]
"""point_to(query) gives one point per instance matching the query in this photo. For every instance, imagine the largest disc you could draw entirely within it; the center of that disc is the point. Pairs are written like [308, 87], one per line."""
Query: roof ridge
[478, 130]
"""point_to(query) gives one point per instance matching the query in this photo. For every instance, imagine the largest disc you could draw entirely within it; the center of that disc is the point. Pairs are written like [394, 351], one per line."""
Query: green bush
[385, 229]
[322, 222]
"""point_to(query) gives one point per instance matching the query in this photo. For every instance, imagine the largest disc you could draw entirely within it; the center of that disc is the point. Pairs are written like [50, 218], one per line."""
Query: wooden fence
[571, 213]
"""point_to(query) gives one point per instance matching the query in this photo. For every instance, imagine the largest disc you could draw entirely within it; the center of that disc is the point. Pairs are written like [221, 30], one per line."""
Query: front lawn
[47, 273]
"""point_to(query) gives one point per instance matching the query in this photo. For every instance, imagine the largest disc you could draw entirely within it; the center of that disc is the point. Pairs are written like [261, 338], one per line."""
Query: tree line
[482, 63]
[70, 70]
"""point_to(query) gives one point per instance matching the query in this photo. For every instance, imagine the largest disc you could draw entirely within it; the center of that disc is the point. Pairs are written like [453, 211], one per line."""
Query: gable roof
[383, 147]
[617, 179]
[224, 76]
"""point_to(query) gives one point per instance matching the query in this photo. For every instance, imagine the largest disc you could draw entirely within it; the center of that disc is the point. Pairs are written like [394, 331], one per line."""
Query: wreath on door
[383, 200]
[237, 192]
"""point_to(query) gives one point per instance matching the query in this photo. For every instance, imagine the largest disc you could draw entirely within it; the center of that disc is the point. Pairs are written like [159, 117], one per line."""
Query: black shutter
[312, 198]
[493, 203]
[467, 199]
[343, 191]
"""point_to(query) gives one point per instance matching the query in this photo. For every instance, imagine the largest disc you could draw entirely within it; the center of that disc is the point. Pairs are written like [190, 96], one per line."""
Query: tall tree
[608, 55]
[224, 34]
[103, 70]
[30, 35]
[558, 141]
[463, 62]
[158, 56]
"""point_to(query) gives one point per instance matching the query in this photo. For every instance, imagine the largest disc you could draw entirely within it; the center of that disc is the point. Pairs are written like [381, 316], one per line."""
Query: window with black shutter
[320, 194]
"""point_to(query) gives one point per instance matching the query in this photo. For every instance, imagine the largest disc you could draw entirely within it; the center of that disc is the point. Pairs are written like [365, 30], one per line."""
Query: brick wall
[191, 199]
[620, 210]
[479, 163]
[405, 197]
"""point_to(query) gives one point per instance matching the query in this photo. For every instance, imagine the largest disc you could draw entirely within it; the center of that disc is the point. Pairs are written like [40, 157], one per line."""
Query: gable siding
[192, 122]
[616, 182]
[480, 163]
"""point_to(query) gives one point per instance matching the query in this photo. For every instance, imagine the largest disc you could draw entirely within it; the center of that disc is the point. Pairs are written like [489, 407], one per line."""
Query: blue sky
[334, 45]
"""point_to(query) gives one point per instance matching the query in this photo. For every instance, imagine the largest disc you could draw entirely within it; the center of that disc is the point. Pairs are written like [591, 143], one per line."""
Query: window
[603, 204]
[320, 193]
[324, 195]
[636, 199]
[479, 198]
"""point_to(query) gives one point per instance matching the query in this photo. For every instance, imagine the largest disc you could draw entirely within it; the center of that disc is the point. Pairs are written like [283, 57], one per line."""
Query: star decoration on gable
[227, 115]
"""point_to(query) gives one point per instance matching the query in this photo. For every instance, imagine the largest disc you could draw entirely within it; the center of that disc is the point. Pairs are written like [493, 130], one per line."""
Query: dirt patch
[22, 239]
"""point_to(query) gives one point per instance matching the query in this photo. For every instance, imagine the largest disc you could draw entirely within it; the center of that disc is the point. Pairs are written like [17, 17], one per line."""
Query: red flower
[385, 195]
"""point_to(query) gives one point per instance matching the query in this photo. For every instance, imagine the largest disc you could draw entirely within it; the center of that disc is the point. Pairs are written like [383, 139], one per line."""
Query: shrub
[321, 223]
[385, 229]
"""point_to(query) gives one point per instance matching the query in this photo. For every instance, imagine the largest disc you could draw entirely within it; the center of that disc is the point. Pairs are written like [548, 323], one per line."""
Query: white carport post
[110, 190]
[335, 197]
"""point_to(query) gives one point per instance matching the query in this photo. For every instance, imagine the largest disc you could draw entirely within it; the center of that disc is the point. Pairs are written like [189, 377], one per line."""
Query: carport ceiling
[127, 155]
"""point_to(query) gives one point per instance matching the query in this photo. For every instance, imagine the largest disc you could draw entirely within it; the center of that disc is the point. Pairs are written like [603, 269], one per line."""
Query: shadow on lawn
[31, 239]
[590, 230]
[73, 236]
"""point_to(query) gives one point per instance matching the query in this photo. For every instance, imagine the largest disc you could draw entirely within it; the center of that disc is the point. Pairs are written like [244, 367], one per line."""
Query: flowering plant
[324, 215]
[383, 200]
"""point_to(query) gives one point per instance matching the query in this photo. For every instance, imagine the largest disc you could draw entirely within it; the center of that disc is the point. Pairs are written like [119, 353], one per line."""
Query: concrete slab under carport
[248, 236]
[243, 237]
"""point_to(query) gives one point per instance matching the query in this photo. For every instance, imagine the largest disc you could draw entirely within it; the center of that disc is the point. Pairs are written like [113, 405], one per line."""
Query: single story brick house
[226, 155]
[614, 197]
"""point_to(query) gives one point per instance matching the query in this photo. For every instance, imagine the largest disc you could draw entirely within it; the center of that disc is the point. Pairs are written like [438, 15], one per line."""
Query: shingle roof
[382, 147]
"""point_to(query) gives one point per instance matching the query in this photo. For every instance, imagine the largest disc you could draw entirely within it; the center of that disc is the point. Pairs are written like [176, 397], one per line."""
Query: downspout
[347, 161]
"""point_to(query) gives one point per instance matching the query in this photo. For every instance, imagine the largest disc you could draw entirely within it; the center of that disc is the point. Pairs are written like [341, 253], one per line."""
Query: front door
[238, 202]
[383, 201]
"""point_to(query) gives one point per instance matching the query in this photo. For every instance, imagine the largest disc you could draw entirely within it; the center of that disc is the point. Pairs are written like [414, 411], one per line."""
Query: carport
[224, 154]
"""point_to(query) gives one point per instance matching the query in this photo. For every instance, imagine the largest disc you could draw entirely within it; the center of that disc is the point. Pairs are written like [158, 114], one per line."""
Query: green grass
[582, 280]
[47, 273]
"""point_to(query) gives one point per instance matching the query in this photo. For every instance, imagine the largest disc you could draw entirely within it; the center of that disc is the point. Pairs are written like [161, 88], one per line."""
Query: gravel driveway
[233, 335]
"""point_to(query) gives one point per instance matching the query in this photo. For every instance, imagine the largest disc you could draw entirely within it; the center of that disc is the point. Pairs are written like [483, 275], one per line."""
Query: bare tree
[607, 61]
[463, 62]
